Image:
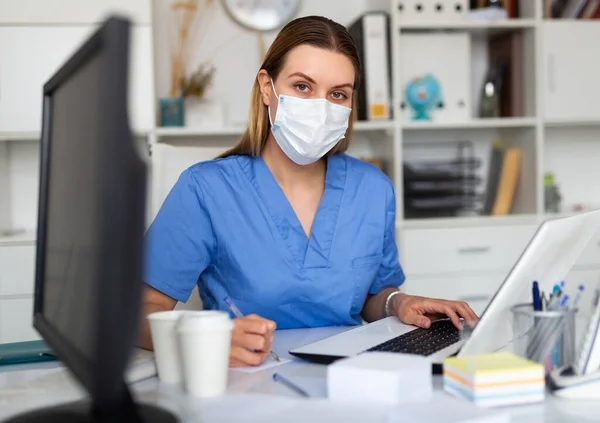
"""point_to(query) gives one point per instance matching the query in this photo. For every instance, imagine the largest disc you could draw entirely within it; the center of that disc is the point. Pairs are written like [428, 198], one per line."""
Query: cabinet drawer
[16, 320]
[571, 89]
[475, 289]
[441, 250]
[17, 268]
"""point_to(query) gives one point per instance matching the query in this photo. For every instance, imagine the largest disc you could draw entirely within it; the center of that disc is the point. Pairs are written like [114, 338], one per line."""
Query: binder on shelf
[592, 8]
[507, 184]
[446, 57]
[431, 10]
[371, 33]
[5, 218]
[495, 169]
[511, 7]
[572, 9]
[508, 49]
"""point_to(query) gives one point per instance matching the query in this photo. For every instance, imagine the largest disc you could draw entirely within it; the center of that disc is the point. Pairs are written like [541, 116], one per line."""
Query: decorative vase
[172, 111]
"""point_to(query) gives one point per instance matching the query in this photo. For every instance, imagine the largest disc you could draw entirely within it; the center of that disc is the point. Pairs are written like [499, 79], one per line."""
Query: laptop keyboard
[421, 341]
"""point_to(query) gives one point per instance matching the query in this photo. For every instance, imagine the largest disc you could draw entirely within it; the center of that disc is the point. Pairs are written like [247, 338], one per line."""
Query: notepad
[500, 378]
[268, 363]
[25, 352]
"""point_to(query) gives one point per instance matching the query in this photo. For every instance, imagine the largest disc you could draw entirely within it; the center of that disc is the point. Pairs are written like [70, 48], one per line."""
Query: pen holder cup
[546, 337]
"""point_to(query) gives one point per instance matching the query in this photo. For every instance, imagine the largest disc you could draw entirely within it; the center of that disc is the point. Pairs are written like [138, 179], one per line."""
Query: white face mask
[306, 129]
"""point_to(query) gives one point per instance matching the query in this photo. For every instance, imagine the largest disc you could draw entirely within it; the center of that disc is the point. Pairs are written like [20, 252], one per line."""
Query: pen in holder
[546, 337]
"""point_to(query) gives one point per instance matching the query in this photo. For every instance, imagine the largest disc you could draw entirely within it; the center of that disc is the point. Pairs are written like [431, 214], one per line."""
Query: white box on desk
[382, 377]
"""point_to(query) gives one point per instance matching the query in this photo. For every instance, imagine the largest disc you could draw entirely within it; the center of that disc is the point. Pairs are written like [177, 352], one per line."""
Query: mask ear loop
[269, 107]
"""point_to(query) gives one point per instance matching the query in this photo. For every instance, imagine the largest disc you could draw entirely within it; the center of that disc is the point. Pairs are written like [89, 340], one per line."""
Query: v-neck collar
[308, 253]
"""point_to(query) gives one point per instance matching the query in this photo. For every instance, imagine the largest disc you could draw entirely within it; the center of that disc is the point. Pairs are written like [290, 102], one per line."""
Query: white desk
[249, 397]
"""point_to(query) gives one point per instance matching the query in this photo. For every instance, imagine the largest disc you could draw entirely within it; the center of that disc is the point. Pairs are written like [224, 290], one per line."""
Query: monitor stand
[85, 412]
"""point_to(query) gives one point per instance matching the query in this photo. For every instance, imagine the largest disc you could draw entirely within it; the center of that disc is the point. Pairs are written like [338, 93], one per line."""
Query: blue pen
[563, 302]
[580, 289]
[278, 378]
[556, 351]
[537, 300]
[556, 291]
[236, 311]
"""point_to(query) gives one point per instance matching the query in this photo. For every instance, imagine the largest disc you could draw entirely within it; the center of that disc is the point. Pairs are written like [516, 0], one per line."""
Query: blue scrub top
[227, 226]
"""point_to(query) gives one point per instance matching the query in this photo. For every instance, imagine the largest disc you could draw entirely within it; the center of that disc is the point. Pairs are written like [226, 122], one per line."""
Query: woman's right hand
[250, 340]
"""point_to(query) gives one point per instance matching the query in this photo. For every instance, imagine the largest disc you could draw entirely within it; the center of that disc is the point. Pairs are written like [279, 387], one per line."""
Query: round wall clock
[261, 15]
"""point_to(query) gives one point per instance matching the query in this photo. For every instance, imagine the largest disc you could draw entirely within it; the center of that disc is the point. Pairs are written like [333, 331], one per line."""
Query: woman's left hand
[421, 311]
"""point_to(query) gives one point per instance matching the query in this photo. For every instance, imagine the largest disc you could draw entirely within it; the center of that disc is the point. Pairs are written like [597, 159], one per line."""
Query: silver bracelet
[387, 303]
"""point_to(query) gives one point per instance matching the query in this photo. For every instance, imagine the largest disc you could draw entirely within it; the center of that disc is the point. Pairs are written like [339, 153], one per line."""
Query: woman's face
[311, 72]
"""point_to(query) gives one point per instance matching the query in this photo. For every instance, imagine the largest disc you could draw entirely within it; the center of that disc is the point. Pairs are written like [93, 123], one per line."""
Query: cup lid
[204, 320]
[166, 315]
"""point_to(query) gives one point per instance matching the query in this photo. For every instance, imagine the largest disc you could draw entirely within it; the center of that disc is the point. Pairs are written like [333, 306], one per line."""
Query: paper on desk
[446, 408]
[269, 362]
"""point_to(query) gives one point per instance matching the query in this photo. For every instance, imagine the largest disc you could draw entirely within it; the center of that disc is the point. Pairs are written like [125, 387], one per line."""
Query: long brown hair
[312, 30]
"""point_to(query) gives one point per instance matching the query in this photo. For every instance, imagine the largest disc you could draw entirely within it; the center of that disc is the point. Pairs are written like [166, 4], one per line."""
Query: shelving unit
[572, 123]
[19, 136]
[558, 130]
[478, 123]
[19, 238]
[165, 133]
[477, 27]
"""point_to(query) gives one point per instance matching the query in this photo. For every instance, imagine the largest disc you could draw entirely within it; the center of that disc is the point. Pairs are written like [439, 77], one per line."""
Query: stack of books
[572, 9]
[496, 379]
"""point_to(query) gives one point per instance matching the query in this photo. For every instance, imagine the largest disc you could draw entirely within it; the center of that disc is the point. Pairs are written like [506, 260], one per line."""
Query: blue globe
[423, 94]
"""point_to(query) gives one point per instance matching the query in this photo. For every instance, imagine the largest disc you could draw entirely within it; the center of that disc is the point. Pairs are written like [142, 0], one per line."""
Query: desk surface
[252, 396]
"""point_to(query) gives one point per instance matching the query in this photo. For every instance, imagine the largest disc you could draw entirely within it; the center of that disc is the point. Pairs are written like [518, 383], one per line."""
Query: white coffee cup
[166, 345]
[204, 340]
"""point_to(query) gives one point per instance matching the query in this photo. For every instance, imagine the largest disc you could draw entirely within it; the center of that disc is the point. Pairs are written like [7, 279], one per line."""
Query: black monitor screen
[71, 254]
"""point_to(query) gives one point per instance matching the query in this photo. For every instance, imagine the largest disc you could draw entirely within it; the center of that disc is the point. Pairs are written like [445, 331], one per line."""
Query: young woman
[285, 224]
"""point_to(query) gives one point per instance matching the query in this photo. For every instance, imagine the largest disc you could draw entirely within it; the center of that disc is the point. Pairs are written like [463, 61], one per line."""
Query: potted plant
[199, 110]
[187, 22]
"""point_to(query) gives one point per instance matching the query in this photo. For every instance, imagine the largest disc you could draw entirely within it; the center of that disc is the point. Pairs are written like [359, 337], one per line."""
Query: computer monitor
[91, 223]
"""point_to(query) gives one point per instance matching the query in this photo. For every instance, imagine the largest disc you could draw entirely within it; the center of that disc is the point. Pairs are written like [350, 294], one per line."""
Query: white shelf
[19, 136]
[568, 213]
[36, 136]
[197, 132]
[21, 238]
[183, 132]
[483, 27]
[473, 124]
[469, 221]
[571, 123]
[374, 125]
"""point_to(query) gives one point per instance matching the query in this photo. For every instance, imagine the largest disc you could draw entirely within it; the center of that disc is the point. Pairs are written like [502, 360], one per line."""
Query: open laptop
[548, 258]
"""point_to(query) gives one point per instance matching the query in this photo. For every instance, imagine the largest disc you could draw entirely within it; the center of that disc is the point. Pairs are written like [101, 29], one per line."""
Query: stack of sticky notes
[495, 379]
